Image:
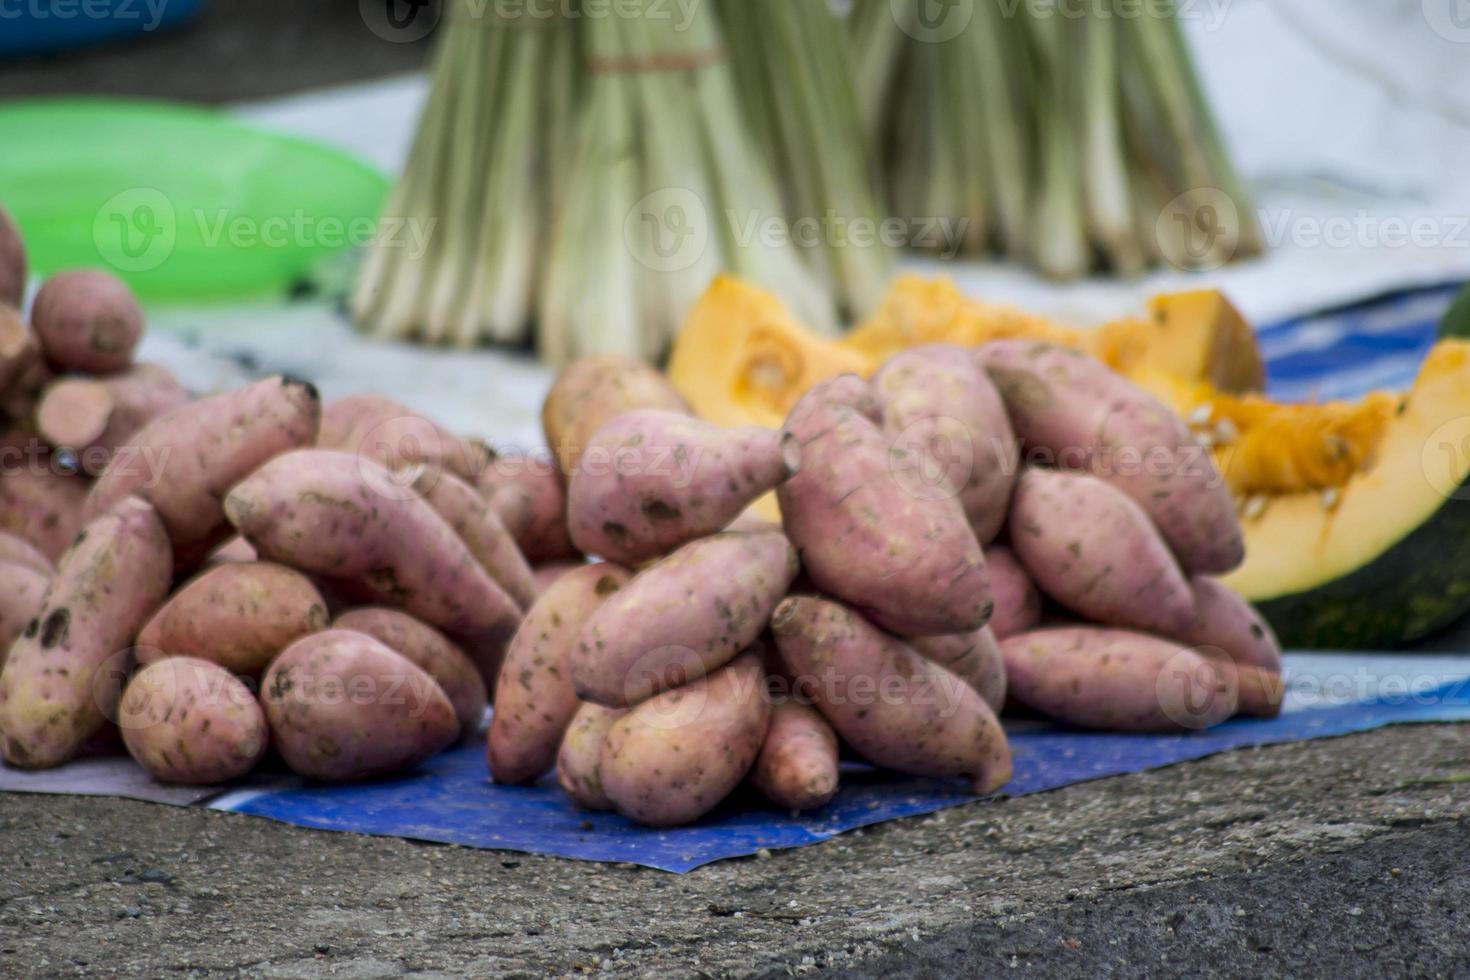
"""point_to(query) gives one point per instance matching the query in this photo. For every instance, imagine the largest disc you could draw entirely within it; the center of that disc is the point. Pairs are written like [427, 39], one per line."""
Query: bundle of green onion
[1069, 137]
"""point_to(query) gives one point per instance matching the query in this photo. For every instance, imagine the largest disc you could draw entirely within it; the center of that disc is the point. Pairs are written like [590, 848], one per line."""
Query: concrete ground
[1329, 858]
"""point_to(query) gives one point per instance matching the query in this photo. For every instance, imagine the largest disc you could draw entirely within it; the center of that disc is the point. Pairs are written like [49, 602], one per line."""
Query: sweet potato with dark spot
[87, 320]
[43, 506]
[22, 590]
[578, 761]
[192, 722]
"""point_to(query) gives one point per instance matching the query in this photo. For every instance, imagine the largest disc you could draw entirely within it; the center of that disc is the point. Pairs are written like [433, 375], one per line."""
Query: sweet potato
[1017, 603]
[431, 650]
[22, 589]
[235, 549]
[578, 768]
[546, 575]
[398, 437]
[535, 698]
[1091, 548]
[1116, 680]
[895, 708]
[682, 618]
[797, 766]
[342, 706]
[1226, 627]
[193, 722]
[236, 614]
[651, 481]
[673, 758]
[19, 350]
[87, 320]
[42, 505]
[909, 562]
[16, 550]
[972, 657]
[480, 528]
[93, 416]
[344, 516]
[1081, 415]
[529, 494]
[185, 462]
[593, 391]
[12, 262]
[952, 425]
[62, 680]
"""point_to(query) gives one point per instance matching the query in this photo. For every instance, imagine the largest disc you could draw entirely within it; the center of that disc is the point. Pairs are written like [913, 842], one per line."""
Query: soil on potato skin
[1278, 861]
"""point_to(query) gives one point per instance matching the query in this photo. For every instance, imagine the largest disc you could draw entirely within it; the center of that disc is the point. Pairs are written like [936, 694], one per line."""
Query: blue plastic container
[29, 27]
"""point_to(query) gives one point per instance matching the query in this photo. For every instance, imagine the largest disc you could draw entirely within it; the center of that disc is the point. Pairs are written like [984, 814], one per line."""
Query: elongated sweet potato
[952, 425]
[431, 650]
[908, 561]
[1017, 603]
[236, 614]
[193, 722]
[1116, 680]
[398, 437]
[593, 391]
[16, 550]
[20, 352]
[1227, 627]
[797, 766]
[535, 698]
[342, 706]
[578, 761]
[22, 589]
[185, 462]
[972, 657]
[895, 708]
[1083, 416]
[12, 262]
[42, 505]
[1091, 548]
[651, 481]
[63, 677]
[673, 758]
[87, 320]
[682, 618]
[85, 414]
[530, 495]
[480, 528]
[344, 516]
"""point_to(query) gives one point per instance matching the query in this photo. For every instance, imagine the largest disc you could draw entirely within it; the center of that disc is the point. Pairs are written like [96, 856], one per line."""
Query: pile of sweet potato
[348, 585]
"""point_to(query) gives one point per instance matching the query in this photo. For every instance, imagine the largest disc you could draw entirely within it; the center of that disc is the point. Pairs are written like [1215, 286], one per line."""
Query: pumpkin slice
[1379, 560]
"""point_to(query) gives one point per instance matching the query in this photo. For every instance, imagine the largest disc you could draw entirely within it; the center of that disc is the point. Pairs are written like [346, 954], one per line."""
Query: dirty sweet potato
[651, 481]
[192, 722]
[972, 657]
[16, 550]
[43, 506]
[431, 650]
[87, 320]
[22, 589]
[62, 679]
[578, 761]
[1226, 627]
[797, 766]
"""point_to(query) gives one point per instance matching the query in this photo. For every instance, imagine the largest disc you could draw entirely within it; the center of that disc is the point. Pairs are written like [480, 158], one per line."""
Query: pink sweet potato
[398, 437]
[797, 766]
[20, 352]
[61, 681]
[530, 495]
[185, 462]
[480, 528]
[1091, 548]
[42, 505]
[682, 618]
[545, 576]
[16, 550]
[193, 722]
[673, 758]
[236, 614]
[1081, 415]
[908, 561]
[578, 761]
[93, 416]
[342, 706]
[87, 320]
[535, 698]
[345, 517]
[1116, 680]
[952, 426]
[651, 481]
[972, 657]
[895, 708]
[591, 392]
[431, 650]
[1226, 627]
[1017, 603]
[22, 589]
[12, 262]
[235, 549]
